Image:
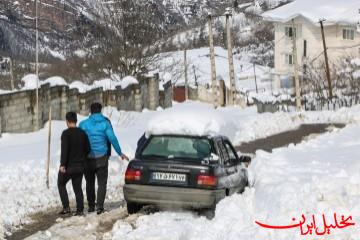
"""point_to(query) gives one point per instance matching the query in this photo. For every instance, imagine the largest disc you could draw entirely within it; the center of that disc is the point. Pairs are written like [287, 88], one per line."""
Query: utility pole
[256, 86]
[186, 77]
[327, 69]
[231, 58]
[212, 59]
[37, 65]
[296, 67]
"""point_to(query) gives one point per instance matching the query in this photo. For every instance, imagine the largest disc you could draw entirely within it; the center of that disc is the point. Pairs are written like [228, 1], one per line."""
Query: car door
[236, 171]
[228, 167]
[221, 173]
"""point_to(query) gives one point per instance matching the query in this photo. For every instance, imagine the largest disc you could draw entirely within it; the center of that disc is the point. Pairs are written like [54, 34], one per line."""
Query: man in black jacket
[74, 148]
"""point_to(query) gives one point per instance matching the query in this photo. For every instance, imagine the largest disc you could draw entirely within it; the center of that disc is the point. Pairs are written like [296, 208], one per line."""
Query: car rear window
[177, 147]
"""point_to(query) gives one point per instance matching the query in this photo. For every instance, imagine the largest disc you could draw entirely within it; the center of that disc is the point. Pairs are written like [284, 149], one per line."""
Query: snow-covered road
[23, 190]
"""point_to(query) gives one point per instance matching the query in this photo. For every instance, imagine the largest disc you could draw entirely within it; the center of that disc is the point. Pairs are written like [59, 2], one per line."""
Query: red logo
[313, 227]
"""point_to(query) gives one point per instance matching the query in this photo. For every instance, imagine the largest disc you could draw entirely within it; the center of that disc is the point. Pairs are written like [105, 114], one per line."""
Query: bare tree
[128, 36]
[345, 74]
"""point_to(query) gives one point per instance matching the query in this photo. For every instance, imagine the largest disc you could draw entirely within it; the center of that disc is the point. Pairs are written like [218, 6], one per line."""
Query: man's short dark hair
[95, 108]
[71, 117]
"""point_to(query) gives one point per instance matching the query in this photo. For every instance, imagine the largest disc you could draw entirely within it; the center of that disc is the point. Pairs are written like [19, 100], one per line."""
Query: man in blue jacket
[100, 132]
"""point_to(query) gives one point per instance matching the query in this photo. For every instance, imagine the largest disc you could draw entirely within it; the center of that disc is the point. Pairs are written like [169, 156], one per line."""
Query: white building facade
[340, 28]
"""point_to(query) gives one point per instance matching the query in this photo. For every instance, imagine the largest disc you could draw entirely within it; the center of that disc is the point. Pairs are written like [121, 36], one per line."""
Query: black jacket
[75, 147]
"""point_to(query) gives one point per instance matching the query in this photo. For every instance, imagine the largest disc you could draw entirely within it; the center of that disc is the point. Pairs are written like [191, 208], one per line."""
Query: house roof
[333, 11]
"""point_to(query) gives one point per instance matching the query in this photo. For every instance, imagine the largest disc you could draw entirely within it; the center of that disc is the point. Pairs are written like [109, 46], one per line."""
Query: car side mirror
[245, 159]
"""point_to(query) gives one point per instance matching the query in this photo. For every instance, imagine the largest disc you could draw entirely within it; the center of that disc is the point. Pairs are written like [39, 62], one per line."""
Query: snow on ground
[317, 177]
[22, 161]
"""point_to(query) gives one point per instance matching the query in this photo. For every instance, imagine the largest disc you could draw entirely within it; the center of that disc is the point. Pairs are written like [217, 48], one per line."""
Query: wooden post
[214, 84]
[256, 86]
[232, 98]
[37, 126]
[296, 67]
[49, 148]
[327, 69]
[186, 77]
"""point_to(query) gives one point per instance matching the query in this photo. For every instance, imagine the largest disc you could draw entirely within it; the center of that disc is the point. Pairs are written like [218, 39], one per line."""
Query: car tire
[133, 208]
[209, 213]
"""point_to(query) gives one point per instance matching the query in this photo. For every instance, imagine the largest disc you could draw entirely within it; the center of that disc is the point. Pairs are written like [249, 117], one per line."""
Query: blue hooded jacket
[99, 131]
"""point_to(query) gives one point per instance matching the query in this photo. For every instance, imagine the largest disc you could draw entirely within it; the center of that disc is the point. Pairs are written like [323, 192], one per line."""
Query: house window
[289, 59]
[290, 31]
[348, 34]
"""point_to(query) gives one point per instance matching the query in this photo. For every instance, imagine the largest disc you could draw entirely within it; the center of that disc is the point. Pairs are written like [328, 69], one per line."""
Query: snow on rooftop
[334, 11]
[190, 118]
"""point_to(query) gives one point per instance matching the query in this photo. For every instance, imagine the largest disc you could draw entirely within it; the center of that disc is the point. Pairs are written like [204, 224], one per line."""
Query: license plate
[169, 177]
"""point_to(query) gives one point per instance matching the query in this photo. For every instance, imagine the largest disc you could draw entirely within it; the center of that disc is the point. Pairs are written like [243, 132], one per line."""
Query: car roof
[191, 135]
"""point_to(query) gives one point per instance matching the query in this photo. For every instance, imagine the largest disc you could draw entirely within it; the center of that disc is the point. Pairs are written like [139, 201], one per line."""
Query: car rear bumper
[172, 196]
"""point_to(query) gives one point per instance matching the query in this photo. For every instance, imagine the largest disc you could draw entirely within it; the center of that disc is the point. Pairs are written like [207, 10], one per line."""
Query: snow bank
[317, 177]
[22, 164]
[190, 119]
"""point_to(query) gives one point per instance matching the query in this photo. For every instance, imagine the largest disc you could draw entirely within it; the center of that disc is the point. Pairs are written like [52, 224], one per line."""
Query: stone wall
[166, 95]
[17, 109]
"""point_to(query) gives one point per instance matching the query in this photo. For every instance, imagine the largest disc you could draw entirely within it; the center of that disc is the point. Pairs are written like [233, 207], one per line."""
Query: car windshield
[177, 147]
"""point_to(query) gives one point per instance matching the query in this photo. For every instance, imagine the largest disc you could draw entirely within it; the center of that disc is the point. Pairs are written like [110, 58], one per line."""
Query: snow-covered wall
[17, 109]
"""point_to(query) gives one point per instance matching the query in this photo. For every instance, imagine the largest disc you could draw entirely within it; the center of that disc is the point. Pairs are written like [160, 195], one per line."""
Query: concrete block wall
[126, 98]
[153, 89]
[86, 99]
[17, 109]
[144, 90]
[168, 95]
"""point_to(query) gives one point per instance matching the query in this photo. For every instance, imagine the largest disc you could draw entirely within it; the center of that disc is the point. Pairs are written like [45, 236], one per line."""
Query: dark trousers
[76, 179]
[96, 167]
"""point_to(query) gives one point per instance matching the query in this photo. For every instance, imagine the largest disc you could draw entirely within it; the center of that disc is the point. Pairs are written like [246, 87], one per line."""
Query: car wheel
[133, 207]
[209, 213]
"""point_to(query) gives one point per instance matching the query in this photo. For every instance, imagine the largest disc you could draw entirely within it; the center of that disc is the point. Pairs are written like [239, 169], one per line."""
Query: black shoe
[79, 213]
[91, 209]
[65, 211]
[100, 211]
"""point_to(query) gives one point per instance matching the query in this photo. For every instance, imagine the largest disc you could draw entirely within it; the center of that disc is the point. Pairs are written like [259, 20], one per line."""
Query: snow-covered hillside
[199, 70]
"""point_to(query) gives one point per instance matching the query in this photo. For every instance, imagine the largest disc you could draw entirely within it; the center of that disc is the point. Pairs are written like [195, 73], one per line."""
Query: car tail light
[206, 180]
[133, 175]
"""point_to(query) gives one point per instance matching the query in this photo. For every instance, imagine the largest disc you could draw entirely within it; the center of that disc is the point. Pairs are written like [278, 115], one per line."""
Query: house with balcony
[341, 28]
